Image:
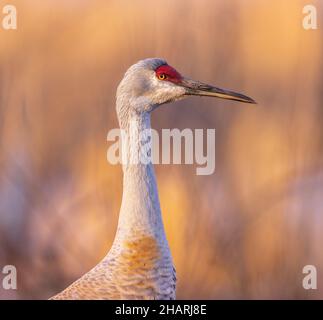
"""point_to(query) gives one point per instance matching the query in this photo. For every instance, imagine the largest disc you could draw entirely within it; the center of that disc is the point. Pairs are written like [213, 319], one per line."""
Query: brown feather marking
[140, 254]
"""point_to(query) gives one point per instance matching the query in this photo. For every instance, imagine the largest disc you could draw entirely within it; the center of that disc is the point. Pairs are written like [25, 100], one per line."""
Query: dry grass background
[245, 231]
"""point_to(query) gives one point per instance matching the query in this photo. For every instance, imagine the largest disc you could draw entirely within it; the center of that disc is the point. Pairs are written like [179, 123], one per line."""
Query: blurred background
[246, 231]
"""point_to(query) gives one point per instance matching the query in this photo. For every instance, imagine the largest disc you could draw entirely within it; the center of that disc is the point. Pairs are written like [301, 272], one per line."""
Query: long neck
[140, 209]
[139, 261]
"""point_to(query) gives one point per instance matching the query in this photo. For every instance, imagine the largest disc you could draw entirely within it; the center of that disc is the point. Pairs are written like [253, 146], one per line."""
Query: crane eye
[161, 76]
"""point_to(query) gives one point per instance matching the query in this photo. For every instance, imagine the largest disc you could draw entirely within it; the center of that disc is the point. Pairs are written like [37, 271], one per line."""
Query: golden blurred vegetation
[246, 231]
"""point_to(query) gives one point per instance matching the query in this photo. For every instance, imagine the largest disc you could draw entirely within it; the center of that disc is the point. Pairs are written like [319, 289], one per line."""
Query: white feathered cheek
[167, 92]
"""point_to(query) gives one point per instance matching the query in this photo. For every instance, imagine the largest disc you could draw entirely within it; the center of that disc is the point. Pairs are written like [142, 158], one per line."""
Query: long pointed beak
[196, 88]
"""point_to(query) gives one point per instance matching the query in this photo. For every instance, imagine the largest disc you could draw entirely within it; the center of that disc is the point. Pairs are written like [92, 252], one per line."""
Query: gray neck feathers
[140, 209]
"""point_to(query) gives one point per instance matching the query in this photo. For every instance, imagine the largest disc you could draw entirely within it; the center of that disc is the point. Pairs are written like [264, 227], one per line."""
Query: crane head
[152, 82]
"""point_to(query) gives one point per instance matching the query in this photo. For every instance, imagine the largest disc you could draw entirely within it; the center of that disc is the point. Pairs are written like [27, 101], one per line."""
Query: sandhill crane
[139, 265]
